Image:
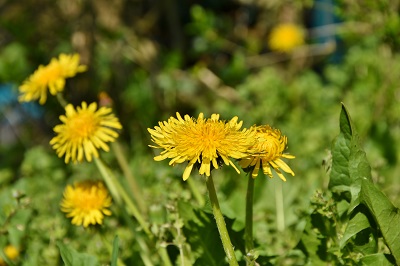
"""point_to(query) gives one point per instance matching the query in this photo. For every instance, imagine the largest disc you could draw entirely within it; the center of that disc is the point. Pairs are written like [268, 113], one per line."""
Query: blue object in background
[323, 27]
[14, 115]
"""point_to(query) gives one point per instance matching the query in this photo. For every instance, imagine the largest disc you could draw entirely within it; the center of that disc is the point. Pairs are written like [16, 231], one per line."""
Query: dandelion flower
[267, 153]
[84, 130]
[11, 252]
[86, 203]
[286, 37]
[50, 77]
[203, 142]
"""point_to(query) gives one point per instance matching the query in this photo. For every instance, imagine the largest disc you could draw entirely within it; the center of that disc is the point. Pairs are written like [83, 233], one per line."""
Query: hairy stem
[219, 219]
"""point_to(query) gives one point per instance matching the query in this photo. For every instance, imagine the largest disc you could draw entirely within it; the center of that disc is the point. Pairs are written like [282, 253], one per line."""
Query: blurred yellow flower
[51, 77]
[86, 202]
[286, 37]
[84, 130]
[11, 253]
[267, 153]
[203, 142]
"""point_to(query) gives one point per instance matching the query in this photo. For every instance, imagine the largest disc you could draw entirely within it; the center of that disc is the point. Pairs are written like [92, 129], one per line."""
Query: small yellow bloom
[86, 202]
[84, 130]
[203, 142]
[11, 253]
[286, 37]
[267, 153]
[51, 77]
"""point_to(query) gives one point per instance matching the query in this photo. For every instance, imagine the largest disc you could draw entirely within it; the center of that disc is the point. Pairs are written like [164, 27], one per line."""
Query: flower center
[88, 200]
[271, 145]
[49, 73]
[82, 126]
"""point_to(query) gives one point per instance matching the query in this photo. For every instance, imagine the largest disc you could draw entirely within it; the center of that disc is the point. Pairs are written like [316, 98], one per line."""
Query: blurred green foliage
[155, 59]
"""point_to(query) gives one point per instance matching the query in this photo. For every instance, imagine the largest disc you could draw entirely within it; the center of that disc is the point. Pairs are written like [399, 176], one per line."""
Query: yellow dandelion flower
[205, 142]
[267, 153]
[84, 130]
[50, 77]
[286, 37]
[11, 253]
[86, 203]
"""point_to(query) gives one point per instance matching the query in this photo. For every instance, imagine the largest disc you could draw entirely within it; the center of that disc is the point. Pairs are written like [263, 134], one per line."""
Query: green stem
[108, 179]
[280, 214]
[118, 190]
[164, 256]
[123, 163]
[61, 99]
[219, 219]
[144, 253]
[248, 230]
[196, 193]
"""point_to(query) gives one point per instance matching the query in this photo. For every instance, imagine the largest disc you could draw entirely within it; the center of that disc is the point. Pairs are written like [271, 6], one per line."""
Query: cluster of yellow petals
[286, 37]
[84, 130]
[11, 253]
[209, 142]
[204, 142]
[50, 78]
[86, 203]
[267, 152]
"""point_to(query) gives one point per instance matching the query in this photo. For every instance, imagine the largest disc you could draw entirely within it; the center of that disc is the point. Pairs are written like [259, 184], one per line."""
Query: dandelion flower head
[286, 37]
[50, 77]
[11, 253]
[84, 130]
[267, 153]
[86, 203]
[204, 142]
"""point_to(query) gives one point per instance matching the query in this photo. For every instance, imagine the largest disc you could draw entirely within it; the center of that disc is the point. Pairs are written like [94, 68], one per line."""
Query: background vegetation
[155, 58]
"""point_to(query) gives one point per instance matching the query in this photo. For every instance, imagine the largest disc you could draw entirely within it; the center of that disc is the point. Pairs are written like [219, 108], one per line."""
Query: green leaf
[313, 242]
[349, 161]
[114, 256]
[358, 223]
[386, 215]
[71, 257]
[377, 259]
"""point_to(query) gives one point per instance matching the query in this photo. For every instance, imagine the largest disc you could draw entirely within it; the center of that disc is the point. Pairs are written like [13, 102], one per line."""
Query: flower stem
[219, 219]
[280, 214]
[136, 192]
[118, 190]
[61, 100]
[248, 230]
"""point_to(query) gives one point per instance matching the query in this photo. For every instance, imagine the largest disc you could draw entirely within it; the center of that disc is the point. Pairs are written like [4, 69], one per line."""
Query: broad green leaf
[365, 242]
[340, 160]
[377, 259]
[114, 256]
[71, 257]
[358, 223]
[349, 161]
[386, 215]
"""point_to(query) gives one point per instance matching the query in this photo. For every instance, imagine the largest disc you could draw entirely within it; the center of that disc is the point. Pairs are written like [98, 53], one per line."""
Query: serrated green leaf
[114, 256]
[356, 224]
[386, 215]
[349, 161]
[71, 257]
